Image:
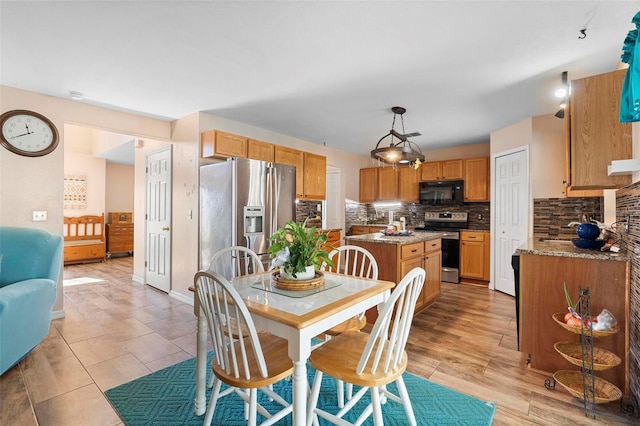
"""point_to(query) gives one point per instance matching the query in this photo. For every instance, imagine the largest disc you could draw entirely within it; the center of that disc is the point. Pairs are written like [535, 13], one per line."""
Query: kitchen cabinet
[408, 182]
[387, 184]
[474, 255]
[542, 294]
[594, 137]
[395, 259]
[259, 150]
[368, 185]
[476, 179]
[441, 170]
[333, 239]
[215, 143]
[314, 177]
[311, 172]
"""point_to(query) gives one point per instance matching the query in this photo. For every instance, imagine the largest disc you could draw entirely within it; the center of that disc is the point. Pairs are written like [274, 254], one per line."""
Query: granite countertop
[378, 237]
[565, 248]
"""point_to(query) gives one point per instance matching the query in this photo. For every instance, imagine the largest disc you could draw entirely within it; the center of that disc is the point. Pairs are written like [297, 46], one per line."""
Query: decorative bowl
[588, 231]
[588, 244]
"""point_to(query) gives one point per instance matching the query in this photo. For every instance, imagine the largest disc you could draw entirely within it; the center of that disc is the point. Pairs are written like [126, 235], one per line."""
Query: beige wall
[119, 188]
[544, 135]
[463, 151]
[547, 157]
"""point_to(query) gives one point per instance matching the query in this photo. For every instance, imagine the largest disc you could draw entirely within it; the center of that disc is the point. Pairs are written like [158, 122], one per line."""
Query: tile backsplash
[552, 215]
[361, 213]
[628, 208]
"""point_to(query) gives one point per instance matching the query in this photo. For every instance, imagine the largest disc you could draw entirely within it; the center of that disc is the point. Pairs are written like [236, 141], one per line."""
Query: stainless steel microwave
[442, 193]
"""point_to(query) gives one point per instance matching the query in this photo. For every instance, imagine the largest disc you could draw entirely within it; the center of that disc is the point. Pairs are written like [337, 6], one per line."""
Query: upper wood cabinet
[387, 184]
[311, 171]
[476, 179]
[368, 185]
[594, 136]
[315, 176]
[215, 143]
[259, 150]
[408, 182]
[441, 170]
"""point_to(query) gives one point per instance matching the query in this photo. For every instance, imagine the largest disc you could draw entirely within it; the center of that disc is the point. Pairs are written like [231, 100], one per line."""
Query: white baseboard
[137, 279]
[181, 297]
[57, 314]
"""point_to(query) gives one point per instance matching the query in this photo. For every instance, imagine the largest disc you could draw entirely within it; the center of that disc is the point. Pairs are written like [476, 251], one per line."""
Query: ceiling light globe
[561, 92]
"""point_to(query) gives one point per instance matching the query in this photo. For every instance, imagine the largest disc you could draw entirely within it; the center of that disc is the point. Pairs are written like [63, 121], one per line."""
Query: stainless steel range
[450, 224]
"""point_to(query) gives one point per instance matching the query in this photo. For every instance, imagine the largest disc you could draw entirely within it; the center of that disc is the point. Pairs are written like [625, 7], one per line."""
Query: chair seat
[349, 346]
[275, 350]
[356, 323]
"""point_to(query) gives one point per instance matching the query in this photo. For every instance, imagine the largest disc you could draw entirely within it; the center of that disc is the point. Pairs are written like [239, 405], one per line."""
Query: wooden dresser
[119, 233]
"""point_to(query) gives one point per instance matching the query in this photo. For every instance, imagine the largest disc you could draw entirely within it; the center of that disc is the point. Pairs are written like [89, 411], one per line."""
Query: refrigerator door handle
[275, 182]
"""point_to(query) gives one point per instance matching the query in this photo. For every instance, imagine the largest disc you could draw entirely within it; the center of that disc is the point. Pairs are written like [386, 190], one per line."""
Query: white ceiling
[323, 71]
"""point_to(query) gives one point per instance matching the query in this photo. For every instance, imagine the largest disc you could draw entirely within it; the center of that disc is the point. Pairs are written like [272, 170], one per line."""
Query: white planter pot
[306, 275]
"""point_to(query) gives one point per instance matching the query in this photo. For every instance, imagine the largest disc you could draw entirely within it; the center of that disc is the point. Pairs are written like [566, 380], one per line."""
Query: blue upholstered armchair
[30, 261]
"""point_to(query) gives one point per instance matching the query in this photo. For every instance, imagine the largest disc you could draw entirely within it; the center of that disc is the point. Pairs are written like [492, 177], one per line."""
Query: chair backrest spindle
[391, 330]
[353, 260]
[224, 309]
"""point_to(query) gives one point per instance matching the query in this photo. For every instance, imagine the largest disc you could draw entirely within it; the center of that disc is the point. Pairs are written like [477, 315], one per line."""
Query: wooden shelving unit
[583, 383]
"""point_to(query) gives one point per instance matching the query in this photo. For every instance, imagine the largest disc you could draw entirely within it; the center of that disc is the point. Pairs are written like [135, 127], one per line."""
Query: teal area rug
[165, 398]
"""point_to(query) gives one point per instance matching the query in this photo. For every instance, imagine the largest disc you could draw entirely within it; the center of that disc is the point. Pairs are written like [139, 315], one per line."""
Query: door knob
[166, 228]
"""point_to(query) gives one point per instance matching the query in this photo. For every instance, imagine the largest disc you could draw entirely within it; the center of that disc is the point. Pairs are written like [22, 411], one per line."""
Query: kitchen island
[397, 255]
[545, 265]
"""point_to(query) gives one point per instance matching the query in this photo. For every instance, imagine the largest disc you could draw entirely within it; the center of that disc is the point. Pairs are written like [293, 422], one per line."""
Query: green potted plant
[296, 250]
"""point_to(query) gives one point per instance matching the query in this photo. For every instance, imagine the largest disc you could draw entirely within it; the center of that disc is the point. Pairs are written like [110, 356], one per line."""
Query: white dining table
[297, 317]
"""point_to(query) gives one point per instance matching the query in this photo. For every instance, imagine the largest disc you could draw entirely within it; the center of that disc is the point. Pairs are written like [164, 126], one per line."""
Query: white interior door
[511, 204]
[158, 219]
[333, 214]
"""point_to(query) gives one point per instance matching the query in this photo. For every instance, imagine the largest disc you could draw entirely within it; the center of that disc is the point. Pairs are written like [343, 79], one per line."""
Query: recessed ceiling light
[76, 96]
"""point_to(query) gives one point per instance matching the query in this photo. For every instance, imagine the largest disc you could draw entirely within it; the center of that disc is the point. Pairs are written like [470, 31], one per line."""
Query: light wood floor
[116, 330]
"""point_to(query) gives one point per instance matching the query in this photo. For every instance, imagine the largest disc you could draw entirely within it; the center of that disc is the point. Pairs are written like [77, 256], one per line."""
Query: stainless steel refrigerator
[242, 202]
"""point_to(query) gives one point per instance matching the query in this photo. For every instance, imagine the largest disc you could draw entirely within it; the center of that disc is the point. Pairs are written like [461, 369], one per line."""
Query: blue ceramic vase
[588, 231]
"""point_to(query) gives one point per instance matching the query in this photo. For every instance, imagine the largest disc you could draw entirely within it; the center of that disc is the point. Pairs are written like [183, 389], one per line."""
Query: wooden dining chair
[371, 360]
[247, 363]
[358, 262]
[235, 261]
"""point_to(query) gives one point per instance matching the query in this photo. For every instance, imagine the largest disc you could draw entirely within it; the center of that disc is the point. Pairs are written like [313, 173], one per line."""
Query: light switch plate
[39, 215]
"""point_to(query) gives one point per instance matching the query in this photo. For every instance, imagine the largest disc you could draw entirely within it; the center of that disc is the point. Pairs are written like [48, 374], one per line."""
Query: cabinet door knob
[166, 228]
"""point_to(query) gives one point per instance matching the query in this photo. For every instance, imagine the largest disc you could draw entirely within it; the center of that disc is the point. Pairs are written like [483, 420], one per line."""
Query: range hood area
[623, 167]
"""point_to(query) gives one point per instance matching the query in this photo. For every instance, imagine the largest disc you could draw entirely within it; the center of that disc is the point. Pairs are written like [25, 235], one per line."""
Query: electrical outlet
[39, 215]
[479, 216]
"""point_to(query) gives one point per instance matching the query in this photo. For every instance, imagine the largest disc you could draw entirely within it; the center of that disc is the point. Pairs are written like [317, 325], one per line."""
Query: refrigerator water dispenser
[253, 216]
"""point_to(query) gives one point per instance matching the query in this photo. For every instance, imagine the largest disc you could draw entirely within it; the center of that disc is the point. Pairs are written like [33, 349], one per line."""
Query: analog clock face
[28, 133]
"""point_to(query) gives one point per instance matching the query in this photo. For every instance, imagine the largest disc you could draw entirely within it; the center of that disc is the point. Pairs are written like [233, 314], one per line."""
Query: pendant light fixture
[563, 93]
[400, 149]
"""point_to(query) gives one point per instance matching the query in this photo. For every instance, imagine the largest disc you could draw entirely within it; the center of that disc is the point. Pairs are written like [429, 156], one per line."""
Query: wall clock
[28, 133]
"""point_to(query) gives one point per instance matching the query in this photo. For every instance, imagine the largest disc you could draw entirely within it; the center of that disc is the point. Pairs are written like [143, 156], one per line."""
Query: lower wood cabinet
[333, 239]
[119, 238]
[395, 260]
[474, 255]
